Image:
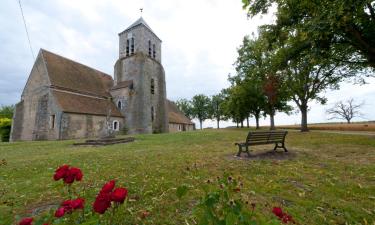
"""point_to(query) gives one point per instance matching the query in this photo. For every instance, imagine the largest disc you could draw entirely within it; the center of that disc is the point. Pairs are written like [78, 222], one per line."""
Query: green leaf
[182, 191]
[230, 219]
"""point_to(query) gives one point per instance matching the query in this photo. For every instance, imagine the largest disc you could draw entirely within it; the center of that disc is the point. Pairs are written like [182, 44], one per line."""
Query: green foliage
[5, 127]
[217, 107]
[185, 106]
[6, 111]
[181, 191]
[201, 108]
[340, 29]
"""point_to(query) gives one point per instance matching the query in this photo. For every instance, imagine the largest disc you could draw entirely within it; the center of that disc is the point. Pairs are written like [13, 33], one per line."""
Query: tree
[345, 110]
[6, 111]
[185, 106]
[344, 27]
[201, 108]
[308, 76]
[255, 64]
[217, 108]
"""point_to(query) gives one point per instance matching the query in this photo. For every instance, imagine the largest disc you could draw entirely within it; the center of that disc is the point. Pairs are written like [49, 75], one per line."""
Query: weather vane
[141, 9]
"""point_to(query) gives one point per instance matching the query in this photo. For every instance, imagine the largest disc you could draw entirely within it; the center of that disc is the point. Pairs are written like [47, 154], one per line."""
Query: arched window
[152, 113]
[127, 47]
[132, 46]
[153, 51]
[152, 86]
[119, 104]
[116, 125]
[149, 48]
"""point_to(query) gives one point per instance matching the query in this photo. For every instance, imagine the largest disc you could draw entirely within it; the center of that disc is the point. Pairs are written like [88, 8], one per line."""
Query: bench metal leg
[285, 150]
[282, 146]
[247, 151]
[239, 150]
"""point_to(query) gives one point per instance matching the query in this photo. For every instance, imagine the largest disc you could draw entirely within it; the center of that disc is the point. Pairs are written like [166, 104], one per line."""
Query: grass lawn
[330, 179]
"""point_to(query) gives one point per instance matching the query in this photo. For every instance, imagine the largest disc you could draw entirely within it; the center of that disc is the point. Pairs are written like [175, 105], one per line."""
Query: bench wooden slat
[263, 138]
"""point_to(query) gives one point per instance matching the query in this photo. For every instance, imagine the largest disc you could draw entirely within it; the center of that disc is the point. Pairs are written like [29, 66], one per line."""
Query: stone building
[64, 99]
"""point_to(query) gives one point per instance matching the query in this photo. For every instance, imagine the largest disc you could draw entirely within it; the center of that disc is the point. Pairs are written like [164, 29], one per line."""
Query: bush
[5, 125]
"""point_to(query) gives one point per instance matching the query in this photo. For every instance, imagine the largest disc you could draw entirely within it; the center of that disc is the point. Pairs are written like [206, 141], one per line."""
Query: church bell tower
[139, 90]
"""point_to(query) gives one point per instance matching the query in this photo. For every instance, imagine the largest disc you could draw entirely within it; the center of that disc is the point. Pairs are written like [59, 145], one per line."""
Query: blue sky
[199, 37]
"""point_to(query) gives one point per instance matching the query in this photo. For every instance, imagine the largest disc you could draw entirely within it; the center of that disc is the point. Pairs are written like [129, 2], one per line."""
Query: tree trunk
[200, 122]
[237, 125]
[247, 122]
[241, 123]
[257, 120]
[272, 121]
[348, 120]
[303, 109]
[218, 127]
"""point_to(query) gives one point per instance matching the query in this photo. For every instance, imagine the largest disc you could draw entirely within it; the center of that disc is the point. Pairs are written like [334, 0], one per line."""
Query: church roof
[175, 115]
[139, 22]
[75, 103]
[68, 74]
[123, 84]
[78, 88]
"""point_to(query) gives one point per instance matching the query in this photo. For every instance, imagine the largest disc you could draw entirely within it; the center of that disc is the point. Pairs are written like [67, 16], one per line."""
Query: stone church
[64, 99]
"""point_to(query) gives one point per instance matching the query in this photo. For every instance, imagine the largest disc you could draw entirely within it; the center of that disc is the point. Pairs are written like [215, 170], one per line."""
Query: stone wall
[141, 69]
[142, 36]
[32, 114]
[75, 126]
[175, 127]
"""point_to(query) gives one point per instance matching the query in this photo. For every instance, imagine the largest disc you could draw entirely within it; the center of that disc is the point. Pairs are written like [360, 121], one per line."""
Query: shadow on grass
[268, 155]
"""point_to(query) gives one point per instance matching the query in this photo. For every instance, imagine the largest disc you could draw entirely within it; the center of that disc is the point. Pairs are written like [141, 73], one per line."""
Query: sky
[200, 41]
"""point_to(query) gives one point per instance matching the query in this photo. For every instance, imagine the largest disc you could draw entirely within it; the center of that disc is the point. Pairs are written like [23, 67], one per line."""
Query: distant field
[362, 126]
[325, 179]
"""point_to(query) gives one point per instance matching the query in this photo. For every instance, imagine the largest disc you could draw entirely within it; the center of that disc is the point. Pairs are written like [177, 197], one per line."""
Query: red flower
[278, 212]
[108, 187]
[77, 173]
[119, 195]
[68, 174]
[26, 221]
[61, 172]
[78, 203]
[60, 212]
[102, 202]
[284, 217]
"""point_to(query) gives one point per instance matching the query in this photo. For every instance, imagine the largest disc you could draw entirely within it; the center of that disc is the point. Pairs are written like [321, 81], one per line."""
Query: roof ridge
[63, 57]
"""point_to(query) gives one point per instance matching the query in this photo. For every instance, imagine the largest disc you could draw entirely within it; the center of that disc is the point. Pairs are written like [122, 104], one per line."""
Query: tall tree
[185, 106]
[217, 108]
[346, 110]
[254, 64]
[201, 108]
[309, 75]
[346, 27]
[6, 111]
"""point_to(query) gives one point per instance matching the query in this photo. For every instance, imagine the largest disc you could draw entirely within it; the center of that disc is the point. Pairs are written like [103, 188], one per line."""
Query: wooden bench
[263, 138]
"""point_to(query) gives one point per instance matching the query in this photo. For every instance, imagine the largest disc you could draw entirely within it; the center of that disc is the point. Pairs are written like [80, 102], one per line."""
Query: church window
[153, 51]
[132, 46]
[152, 86]
[179, 127]
[119, 104]
[149, 48]
[52, 121]
[152, 114]
[127, 47]
[115, 125]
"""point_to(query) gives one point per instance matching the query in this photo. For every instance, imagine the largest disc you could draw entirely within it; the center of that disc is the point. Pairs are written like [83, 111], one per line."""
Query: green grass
[330, 181]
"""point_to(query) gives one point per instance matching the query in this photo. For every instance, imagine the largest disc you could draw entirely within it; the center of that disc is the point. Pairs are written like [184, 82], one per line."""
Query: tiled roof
[175, 115]
[76, 103]
[68, 74]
